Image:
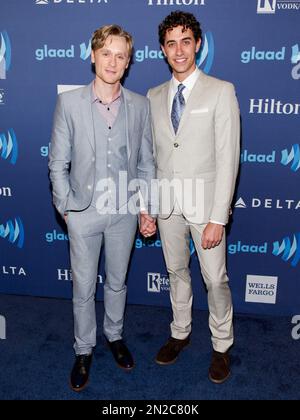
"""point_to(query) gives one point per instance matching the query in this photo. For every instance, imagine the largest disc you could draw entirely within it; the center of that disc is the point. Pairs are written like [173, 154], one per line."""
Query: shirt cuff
[142, 203]
[217, 223]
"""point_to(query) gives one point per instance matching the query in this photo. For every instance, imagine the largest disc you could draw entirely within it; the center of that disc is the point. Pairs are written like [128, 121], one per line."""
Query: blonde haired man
[101, 136]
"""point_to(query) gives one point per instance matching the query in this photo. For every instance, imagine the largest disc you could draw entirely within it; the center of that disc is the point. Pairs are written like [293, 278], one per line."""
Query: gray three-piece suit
[84, 151]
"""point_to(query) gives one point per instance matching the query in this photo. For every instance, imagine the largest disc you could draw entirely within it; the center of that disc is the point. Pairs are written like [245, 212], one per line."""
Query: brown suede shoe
[219, 370]
[168, 354]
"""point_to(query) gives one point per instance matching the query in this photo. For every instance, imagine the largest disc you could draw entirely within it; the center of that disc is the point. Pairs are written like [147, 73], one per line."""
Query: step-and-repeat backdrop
[45, 46]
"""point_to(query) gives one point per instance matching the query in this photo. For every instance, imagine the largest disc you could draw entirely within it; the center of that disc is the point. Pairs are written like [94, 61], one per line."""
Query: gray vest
[111, 158]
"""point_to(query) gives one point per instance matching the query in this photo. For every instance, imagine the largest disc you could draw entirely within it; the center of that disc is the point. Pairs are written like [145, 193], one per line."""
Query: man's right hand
[147, 225]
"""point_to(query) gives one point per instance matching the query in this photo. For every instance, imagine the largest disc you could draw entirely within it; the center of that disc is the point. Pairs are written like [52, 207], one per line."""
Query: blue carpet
[37, 356]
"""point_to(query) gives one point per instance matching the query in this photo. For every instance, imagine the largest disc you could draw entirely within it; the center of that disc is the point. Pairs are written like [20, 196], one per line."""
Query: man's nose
[113, 61]
[179, 49]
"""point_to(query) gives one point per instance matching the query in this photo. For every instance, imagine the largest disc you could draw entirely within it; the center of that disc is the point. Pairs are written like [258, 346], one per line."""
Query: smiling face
[111, 60]
[180, 49]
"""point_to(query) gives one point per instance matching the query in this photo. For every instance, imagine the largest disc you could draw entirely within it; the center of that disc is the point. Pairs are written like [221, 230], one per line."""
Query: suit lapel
[165, 114]
[193, 101]
[87, 114]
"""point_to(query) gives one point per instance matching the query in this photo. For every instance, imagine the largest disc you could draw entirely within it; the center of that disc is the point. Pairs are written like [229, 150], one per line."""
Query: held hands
[212, 235]
[147, 225]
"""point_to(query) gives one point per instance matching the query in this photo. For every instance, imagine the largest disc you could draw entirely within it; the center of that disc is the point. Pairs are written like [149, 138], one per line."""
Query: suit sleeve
[147, 169]
[227, 152]
[60, 157]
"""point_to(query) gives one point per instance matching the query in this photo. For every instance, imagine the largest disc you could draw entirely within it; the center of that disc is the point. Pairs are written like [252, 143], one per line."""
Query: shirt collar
[96, 99]
[189, 82]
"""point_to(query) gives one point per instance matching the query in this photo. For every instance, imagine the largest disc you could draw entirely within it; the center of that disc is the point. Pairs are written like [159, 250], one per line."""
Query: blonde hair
[100, 36]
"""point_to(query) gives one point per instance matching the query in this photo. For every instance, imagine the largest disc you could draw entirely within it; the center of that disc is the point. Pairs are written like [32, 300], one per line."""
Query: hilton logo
[64, 274]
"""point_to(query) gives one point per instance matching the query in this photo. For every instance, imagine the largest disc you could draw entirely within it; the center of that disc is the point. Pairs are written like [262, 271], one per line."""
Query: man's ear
[93, 57]
[163, 50]
[198, 46]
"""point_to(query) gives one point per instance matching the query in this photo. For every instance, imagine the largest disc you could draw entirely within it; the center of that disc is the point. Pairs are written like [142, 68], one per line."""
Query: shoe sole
[219, 382]
[126, 369]
[172, 361]
[79, 389]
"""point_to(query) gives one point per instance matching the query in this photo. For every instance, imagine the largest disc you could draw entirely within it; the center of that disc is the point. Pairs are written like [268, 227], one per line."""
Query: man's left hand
[212, 235]
[147, 225]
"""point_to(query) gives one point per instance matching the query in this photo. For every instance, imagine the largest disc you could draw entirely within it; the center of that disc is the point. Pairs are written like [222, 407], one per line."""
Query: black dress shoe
[121, 354]
[80, 372]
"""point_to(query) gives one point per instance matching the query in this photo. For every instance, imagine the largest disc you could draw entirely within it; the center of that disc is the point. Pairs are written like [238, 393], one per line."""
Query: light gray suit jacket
[72, 152]
[206, 147]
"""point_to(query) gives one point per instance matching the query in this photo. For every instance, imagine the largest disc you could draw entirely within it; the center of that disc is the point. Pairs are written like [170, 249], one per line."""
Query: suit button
[89, 187]
[176, 145]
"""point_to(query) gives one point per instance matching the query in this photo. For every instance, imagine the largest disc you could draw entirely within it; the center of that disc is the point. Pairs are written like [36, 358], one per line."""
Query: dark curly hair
[179, 18]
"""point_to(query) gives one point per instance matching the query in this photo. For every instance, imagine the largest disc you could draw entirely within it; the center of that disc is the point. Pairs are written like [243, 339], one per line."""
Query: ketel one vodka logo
[158, 283]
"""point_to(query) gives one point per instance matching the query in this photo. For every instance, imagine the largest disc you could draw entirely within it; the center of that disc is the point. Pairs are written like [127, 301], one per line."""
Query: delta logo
[69, 2]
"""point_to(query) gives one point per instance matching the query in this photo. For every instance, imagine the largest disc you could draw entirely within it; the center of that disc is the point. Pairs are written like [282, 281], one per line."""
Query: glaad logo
[293, 156]
[2, 328]
[240, 247]
[85, 50]
[206, 54]
[158, 283]
[281, 55]
[255, 55]
[46, 52]
[14, 231]
[5, 54]
[290, 249]
[56, 236]
[9, 146]
[2, 97]
[296, 60]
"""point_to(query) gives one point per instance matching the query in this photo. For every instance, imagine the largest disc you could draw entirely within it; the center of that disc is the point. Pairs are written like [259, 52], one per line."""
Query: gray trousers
[87, 231]
[175, 235]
